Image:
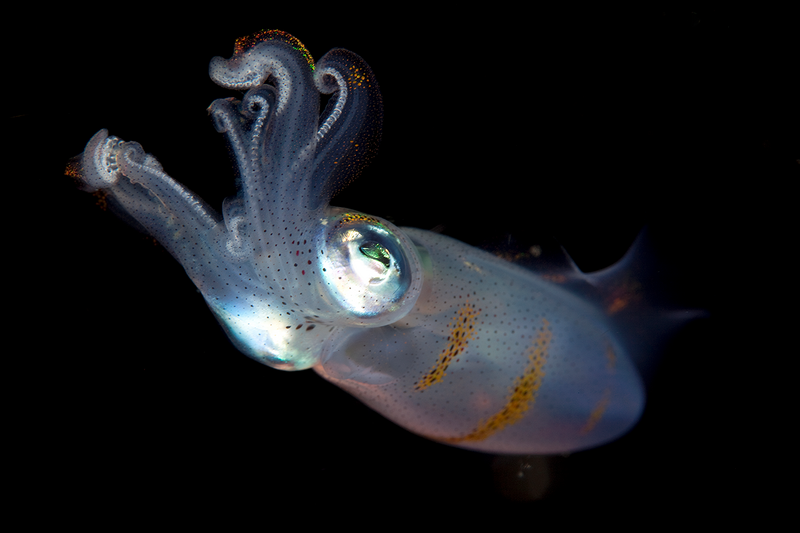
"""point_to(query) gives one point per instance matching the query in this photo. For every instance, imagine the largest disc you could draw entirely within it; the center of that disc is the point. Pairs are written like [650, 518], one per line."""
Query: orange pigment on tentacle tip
[245, 43]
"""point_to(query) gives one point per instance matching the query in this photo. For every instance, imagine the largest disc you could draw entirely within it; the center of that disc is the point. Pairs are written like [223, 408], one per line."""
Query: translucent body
[444, 339]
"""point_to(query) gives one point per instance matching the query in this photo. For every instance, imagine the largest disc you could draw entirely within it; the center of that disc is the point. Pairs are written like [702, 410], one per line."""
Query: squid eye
[375, 251]
[370, 270]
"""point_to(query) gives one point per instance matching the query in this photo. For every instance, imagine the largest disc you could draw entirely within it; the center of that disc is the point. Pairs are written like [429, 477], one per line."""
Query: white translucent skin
[284, 274]
[382, 366]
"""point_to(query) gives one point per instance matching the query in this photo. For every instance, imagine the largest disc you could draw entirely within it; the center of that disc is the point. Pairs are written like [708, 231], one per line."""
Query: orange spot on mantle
[462, 328]
[522, 394]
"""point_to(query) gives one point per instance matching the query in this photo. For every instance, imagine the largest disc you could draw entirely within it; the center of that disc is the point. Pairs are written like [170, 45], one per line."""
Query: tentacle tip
[238, 72]
[98, 168]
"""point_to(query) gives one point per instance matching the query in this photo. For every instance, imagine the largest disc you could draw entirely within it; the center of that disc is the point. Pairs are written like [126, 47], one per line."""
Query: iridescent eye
[375, 251]
[367, 269]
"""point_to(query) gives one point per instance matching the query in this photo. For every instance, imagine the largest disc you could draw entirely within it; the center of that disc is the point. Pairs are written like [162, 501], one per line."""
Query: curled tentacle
[350, 127]
[274, 61]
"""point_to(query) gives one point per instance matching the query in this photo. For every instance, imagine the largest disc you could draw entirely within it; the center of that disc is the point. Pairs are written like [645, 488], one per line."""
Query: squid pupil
[375, 251]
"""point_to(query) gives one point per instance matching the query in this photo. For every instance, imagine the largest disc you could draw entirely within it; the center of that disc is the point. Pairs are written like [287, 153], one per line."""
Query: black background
[580, 126]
